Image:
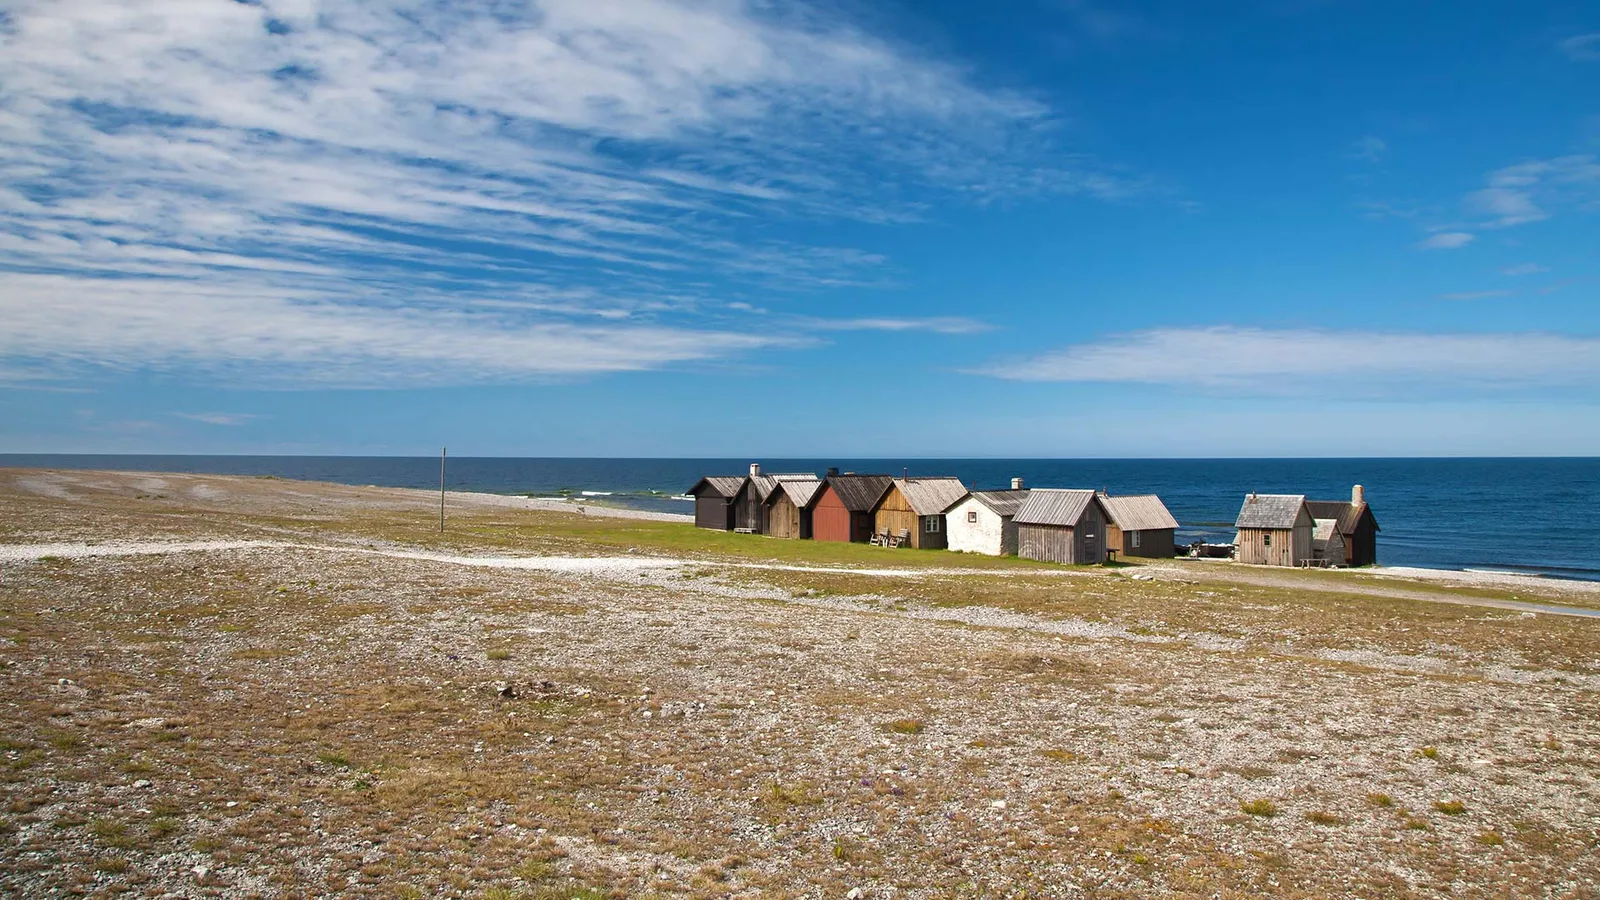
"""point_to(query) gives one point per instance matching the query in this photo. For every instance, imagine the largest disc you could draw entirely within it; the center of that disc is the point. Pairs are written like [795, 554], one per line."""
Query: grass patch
[498, 653]
[1450, 807]
[797, 794]
[904, 726]
[1489, 838]
[334, 758]
[1383, 800]
[1320, 817]
[1261, 807]
[1428, 752]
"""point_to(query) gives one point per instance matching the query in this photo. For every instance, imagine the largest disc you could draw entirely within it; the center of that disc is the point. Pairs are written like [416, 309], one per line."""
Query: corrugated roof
[1143, 512]
[1053, 506]
[1270, 511]
[859, 493]
[931, 496]
[1348, 514]
[799, 491]
[721, 485]
[1003, 503]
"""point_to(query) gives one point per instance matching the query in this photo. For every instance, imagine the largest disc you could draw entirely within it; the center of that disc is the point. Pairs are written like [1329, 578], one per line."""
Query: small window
[1266, 539]
[972, 516]
[930, 524]
[1135, 539]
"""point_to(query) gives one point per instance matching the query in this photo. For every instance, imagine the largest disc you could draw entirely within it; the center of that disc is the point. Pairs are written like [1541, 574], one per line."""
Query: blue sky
[640, 227]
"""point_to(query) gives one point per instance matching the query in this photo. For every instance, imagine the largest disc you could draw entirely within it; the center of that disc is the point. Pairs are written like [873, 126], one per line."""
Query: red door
[830, 521]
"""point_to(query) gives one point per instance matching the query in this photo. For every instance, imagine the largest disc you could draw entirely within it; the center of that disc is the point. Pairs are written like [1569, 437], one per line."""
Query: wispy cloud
[1446, 240]
[1475, 295]
[400, 167]
[1524, 269]
[219, 418]
[1514, 194]
[1581, 47]
[936, 324]
[1370, 148]
[1252, 360]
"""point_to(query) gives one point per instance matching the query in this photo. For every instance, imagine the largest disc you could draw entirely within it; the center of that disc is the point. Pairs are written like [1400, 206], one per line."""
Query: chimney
[1358, 495]
[755, 469]
[832, 471]
[1016, 484]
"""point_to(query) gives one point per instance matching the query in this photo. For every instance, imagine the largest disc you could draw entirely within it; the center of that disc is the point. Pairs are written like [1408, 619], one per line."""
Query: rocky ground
[330, 701]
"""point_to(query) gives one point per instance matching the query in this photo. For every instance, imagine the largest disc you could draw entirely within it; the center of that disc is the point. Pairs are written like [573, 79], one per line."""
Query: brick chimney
[1358, 495]
[1016, 484]
[755, 469]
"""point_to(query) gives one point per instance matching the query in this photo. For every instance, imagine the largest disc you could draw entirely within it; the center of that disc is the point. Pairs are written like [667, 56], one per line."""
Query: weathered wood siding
[1361, 548]
[1083, 544]
[1154, 543]
[1286, 547]
[785, 520]
[712, 511]
[930, 533]
[830, 521]
[893, 514]
[747, 509]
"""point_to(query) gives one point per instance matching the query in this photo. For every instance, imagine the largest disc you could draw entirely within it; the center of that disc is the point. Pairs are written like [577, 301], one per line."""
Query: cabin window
[930, 524]
[1135, 536]
[1266, 539]
[972, 516]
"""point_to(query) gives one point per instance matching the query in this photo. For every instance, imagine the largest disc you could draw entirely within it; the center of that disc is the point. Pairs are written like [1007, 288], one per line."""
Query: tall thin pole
[442, 453]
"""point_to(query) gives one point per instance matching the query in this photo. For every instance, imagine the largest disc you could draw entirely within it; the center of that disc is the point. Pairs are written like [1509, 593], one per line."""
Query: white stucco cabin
[981, 522]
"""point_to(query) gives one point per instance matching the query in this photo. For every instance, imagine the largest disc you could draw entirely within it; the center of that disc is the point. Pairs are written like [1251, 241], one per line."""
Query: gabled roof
[1003, 503]
[766, 484]
[1322, 529]
[1052, 506]
[858, 493]
[1349, 514]
[1144, 512]
[1270, 511]
[798, 489]
[721, 485]
[930, 496]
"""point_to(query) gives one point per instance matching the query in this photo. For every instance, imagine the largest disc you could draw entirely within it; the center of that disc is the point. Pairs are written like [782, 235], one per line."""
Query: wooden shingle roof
[858, 493]
[766, 484]
[798, 489]
[1003, 503]
[721, 485]
[1144, 512]
[1277, 511]
[931, 496]
[1348, 514]
[1052, 506]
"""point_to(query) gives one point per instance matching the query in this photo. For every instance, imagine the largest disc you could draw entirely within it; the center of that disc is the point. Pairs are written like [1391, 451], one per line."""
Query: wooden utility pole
[442, 452]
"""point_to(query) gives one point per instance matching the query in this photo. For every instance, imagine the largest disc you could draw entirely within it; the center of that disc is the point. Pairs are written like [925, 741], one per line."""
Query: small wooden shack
[713, 500]
[984, 522]
[1274, 530]
[1062, 526]
[1357, 526]
[915, 507]
[1327, 544]
[750, 509]
[789, 508]
[842, 508]
[1140, 526]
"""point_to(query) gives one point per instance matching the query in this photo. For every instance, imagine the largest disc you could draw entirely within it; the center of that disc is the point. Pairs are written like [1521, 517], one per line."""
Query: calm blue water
[1515, 514]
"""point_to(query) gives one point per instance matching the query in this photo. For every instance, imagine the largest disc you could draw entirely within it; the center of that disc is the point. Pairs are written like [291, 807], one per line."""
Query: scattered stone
[505, 690]
[855, 894]
[998, 804]
[142, 783]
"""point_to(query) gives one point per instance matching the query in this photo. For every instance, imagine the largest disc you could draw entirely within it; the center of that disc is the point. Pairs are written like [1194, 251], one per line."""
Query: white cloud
[399, 163]
[1513, 194]
[1447, 240]
[1254, 360]
[1370, 148]
[219, 418]
[1524, 269]
[1582, 47]
[936, 324]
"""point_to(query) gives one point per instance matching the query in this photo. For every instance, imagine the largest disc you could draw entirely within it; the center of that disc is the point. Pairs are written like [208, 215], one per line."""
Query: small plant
[1450, 807]
[799, 794]
[1060, 755]
[334, 758]
[905, 726]
[498, 654]
[163, 826]
[534, 870]
[1489, 838]
[1261, 807]
[841, 850]
[1428, 752]
[1416, 824]
[1550, 743]
[1383, 800]
[111, 834]
[65, 740]
[1319, 817]
[111, 865]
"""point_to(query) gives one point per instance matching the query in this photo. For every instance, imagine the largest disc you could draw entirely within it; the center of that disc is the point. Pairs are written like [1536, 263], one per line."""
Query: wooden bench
[744, 530]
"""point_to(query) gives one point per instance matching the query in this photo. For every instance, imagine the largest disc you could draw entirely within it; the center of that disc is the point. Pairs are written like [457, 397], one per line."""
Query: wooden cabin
[713, 500]
[1140, 526]
[1274, 530]
[915, 507]
[842, 508]
[1358, 528]
[789, 508]
[1062, 526]
[984, 522]
[1327, 544]
[750, 510]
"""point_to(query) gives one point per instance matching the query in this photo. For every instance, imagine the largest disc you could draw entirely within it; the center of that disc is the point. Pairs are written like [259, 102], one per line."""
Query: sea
[1527, 515]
